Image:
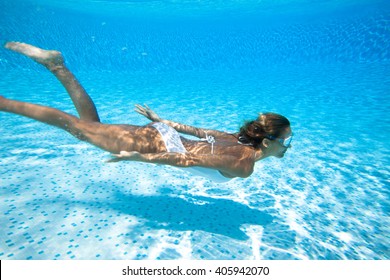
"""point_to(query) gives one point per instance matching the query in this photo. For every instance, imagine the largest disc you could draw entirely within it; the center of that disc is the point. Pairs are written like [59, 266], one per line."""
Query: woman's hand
[147, 112]
[123, 155]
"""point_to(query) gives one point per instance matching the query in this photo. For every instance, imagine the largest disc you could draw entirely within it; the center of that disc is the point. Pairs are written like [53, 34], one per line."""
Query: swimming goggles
[285, 142]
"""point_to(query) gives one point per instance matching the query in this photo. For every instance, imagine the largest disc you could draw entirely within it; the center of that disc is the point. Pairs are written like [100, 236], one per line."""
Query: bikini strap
[209, 139]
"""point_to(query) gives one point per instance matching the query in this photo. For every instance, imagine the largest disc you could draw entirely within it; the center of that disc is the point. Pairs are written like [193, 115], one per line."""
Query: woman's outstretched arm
[229, 165]
[182, 128]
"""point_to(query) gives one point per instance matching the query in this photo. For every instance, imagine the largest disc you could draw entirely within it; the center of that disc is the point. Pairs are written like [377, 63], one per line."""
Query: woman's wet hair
[266, 125]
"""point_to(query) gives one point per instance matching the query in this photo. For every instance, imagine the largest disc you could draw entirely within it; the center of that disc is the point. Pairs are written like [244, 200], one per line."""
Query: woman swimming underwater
[217, 155]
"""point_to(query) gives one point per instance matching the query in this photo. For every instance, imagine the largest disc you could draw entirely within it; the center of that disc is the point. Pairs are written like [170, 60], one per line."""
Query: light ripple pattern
[327, 199]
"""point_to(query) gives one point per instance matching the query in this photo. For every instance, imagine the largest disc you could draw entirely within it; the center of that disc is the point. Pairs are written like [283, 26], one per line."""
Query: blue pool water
[324, 65]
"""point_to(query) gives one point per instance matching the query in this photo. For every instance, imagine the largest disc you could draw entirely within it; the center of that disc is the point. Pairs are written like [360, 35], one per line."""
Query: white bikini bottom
[173, 144]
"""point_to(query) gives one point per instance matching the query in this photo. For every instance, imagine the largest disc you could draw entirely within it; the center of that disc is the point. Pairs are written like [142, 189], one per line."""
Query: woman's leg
[43, 114]
[111, 138]
[54, 62]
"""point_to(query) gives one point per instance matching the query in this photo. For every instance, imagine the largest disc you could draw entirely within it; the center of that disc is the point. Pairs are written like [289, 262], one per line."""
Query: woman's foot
[49, 59]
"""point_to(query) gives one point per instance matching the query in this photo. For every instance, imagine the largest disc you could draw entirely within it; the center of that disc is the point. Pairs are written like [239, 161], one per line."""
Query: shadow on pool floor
[219, 216]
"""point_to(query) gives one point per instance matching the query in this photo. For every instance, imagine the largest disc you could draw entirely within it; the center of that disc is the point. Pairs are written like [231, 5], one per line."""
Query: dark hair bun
[253, 132]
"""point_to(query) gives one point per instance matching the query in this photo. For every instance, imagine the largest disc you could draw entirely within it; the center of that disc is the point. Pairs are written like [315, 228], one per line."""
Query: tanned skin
[133, 142]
